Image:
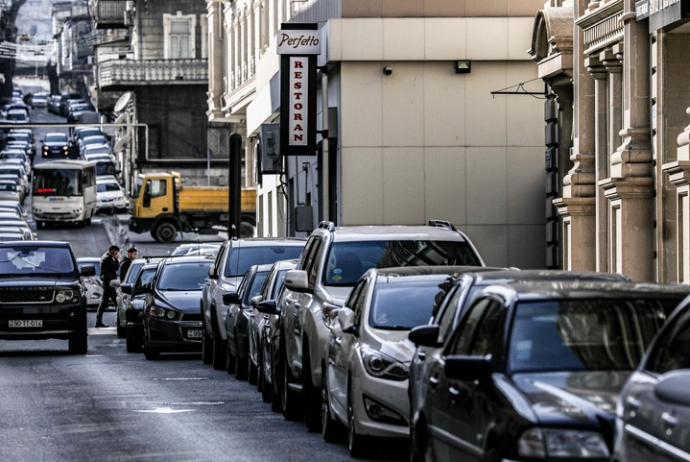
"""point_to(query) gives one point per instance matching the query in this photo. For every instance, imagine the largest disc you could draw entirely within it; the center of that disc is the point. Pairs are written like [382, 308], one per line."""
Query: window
[673, 352]
[180, 37]
[156, 188]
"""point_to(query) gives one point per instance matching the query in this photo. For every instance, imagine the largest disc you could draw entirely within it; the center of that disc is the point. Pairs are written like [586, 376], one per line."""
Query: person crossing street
[109, 267]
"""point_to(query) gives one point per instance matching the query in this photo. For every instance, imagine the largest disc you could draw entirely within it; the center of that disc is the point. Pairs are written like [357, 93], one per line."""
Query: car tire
[150, 353]
[218, 350]
[291, 400]
[118, 328]
[241, 367]
[330, 427]
[276, 391]
[357, 444]
[206, 348]
[133, 341]
[165, 232]
[78, 344]
[252, 372]
[230, 364]
[312, 395]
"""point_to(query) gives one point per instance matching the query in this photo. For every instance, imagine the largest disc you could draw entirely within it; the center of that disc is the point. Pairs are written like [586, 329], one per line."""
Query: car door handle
[433, 381]
[632, 403]
[421, 355]
[669, 420]
[338, 340]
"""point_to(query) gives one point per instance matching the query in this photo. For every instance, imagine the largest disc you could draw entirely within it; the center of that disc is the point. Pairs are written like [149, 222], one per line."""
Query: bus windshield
[58, 182]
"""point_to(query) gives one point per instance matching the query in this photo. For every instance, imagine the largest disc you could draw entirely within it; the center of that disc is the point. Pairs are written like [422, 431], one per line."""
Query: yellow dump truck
[164, 206]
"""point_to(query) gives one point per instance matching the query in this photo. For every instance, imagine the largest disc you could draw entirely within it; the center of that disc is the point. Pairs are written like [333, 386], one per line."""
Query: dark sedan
[534, 369]
[654, 407]
[55, 145]
[134, 311]
[172, 321]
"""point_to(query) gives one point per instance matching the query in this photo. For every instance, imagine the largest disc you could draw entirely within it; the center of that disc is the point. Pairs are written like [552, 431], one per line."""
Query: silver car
[93, 287]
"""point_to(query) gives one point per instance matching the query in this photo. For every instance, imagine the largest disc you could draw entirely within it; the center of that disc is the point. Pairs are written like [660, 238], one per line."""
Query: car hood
[185, 301]
[571, 396]
[109, 195]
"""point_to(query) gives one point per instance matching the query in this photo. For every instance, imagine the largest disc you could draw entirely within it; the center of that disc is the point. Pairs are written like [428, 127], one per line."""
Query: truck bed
[212, 199]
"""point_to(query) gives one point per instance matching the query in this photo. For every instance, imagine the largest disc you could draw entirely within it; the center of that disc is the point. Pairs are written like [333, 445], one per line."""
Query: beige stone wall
[439, 8]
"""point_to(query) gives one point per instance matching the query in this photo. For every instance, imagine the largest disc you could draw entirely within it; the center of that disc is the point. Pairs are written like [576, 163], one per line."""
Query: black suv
[41, 293]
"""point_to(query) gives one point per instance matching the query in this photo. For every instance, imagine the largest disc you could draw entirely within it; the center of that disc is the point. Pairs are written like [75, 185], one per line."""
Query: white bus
[64, 191]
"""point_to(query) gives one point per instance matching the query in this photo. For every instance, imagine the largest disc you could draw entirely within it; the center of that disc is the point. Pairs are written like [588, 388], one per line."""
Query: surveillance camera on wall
[387, 71]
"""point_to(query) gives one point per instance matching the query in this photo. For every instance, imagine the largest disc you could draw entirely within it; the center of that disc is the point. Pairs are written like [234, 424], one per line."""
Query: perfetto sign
[298, 48]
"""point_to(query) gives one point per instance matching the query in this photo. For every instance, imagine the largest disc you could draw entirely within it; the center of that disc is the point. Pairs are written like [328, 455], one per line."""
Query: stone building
[432, 138]
[618, 85]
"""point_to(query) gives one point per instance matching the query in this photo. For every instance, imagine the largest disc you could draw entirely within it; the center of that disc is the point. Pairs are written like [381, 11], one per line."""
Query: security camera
[387, 71]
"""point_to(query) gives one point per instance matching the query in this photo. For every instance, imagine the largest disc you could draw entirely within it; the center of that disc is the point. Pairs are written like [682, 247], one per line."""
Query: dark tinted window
[241, 259]
[574, 335]
[347, 261]
[183, 276]
[256, 285]
[30, 260]
[402, 306]
[673, 350]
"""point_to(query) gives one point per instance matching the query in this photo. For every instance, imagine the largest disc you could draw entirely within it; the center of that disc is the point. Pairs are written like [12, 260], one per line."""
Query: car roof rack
[443, 224]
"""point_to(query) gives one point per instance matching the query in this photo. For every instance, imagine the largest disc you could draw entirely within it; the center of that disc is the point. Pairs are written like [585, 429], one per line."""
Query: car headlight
[64, 296]
[163, 313]
[561, 443]
[382, 366]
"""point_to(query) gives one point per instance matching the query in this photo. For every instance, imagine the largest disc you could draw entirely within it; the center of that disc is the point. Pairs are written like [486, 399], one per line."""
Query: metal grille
[26, 296]
[191, 317]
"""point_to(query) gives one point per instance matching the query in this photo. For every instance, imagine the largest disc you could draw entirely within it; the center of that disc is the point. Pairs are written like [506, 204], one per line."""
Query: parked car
[17, 116]
[201, 247]
[98, 140]
[110, 196]
[653, 414]
[237, 319]
[234, 258]
[172, 322]
[8, 190]
[331, 263]
[54, 104]
[366, 364]
[134, 294]
[41, 295]
[534, 369]
[93, 287]
[122, 298]
[39, 100]
[55, 144]
[265, 308]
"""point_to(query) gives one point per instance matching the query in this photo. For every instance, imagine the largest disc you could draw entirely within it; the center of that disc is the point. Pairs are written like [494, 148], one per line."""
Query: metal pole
[235, 185]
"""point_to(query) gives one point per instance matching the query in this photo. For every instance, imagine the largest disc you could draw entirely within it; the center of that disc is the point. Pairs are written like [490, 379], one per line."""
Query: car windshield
[107, 187]
[8, 187]
[56, 138]
[184, 276]
[347, 261]
[403, 306]
[105, 168]
[33, 260]
[241, 259]
[583, 335]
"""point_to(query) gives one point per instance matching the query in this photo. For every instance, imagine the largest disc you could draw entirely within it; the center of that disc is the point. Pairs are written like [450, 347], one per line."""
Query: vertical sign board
[662, 13]
[298, 44]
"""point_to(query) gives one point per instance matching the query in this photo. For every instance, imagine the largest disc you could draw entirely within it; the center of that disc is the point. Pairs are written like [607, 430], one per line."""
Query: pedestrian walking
[109, 266]
[127, 262]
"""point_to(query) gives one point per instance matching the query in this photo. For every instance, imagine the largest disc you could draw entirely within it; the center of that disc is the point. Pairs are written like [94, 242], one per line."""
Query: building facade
[420, 142]
[618, 82]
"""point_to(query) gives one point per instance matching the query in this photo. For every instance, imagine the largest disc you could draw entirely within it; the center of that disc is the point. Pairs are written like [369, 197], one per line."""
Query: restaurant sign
[662, 13]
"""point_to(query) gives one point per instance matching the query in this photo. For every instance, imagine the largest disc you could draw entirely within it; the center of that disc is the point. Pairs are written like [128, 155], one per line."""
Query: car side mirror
[673, 387]
[255, 300]
[88, 270]
[212, 273]
[297, 280]
[127, 289]
[115, 283]
[426, 336]
[346, 319]
[469, 368]
[230, 298]
[268, 307]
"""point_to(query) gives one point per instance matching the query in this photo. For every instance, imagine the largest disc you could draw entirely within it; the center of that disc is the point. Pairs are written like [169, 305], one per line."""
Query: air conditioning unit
[129, 5]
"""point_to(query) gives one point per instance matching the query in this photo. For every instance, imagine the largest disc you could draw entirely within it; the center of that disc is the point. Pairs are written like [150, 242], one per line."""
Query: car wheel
[165, 232]
[292, 407]
[252, 372]
[312, 395]
[218, 350]
[206, 348]
[420, 450]
[265, 385]
[330, 428]
[356, 443]
[241, 367]
[133, 340]
[150, 353]
[120, 330]
[78, 344]
[229, 359]
[276, 390]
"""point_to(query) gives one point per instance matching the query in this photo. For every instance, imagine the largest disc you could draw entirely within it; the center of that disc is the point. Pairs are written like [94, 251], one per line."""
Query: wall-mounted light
[463, 66]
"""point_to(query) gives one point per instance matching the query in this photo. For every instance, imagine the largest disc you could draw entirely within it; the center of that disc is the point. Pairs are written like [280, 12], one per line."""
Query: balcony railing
[123, 73]
[110, 14]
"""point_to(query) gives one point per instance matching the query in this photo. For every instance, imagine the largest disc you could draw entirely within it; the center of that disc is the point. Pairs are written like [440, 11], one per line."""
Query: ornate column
[630, 189]
[577, 206]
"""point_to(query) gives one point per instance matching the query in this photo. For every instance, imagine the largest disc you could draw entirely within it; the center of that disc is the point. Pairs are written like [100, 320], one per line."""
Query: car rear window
[241, 259]
[403, 306]
[183, 276]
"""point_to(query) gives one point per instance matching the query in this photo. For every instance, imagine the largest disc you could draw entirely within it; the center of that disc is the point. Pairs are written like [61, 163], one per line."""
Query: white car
[368, 354]
[110, 196]
[93, 287]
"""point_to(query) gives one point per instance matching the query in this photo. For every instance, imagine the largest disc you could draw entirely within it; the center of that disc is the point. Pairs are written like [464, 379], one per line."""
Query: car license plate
[23, 323]
[194, 333]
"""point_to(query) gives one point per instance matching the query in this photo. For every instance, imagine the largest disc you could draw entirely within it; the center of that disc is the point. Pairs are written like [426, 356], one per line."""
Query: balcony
[111, 14]
[119, 74]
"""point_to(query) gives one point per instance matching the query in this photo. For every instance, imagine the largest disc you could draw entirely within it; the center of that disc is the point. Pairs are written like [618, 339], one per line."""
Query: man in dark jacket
[127, 262]
[109, 266]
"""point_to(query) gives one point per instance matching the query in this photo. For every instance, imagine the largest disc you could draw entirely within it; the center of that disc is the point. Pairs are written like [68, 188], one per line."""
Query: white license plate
[25, 323]
[194, 333]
